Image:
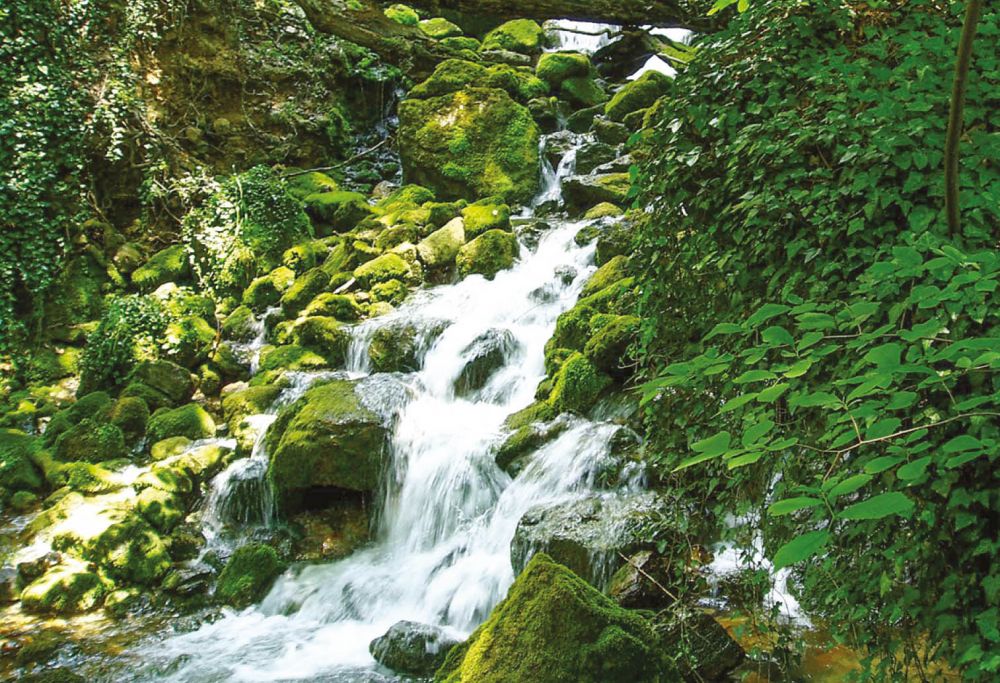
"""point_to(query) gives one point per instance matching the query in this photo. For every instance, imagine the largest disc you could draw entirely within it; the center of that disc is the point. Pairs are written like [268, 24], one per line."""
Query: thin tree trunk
[973, 10]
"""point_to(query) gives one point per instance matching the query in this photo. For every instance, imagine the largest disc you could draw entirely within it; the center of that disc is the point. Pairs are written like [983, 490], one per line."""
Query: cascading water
[442, 549]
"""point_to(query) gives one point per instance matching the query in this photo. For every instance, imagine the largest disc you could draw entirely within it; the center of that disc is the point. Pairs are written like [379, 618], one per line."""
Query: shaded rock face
[327, 438]
[475, 142]
[699, 646]
[588, 535]
[400, 346]
[485, 355]
[412, 648]
[554, 628]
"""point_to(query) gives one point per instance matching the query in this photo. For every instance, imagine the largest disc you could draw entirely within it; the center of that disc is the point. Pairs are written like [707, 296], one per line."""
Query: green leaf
[777, 336]
[883, 463]
[754, 376]
[707, 449]
[800, 368]
[817, 399]
[772, 394]
[745, 459]
[914, 470]
[790, 505]
[720, 5]
[722, 329]
[877, 507]
[765, 313]
[850, 485]
[801, 548]
[961, 443]
[738, 402]
[885, 357]
[758, 431]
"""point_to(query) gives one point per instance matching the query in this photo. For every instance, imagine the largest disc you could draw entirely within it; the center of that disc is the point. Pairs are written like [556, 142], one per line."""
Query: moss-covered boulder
[75, 297]
[189, 340]
[162, 509]
[555, 628]
[84, 477]
[267, 290]
[638, 94]
[301, 185]
[582, 92]
[63, 590]
[304, 256]
[160, 383]
[343, 307]
[475, 142]
[438, 250]
[403, 14]
[338, 211]
[168, 265]
[412, 648]
[581, 192]
[488, 254]
[191, 421]
[556, 67]
[439, 27]
[305, 288]
[609, 348]
[130, 414]
[518, 82]
[602, 210]
[327, 438]
[483, 216]
[393, 292]
[91, 441]
[449, 76]
[578, 385]
[400, 346]
[484, 356]
[240, 405]
[519, 35]
[248, 575]
[383, 268]
[291, 357]
[326, 335]
[240, 325]
[17, 469]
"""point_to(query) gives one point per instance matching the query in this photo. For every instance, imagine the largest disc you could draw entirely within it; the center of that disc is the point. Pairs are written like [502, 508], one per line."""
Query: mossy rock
[449, 76]
[392, 292]
[438, 250]
[75, 297]
[169, 447]
[439, 27]
[488, 254]
[382, 269]
[325, 335]
[602, 210]
[343, 307]
[578, 385]
[189, 341]
[304, 256]
[480, 217]
[582, 92]
[305, 288]
[23, 501]
[553, 627]
[90, 479]
[458, 43]
[518, 82]
[608, 274]
[130, 414]
[412, 648]
[403, 14]
[405, 198]
[292, 357]
[167, 265]
[524, 36]
[302, 185]
[49, 365]
[539, 411]
[514, 452]
[608, 348]
[267, 290]
[240, 325]
[399, 347]
[160, 383]
[248, 575]
[581, 192]
[239, 405]
[327, 438]
[194, 464]
[338, 211]
[614, 240]
[162, 509]
[90, 441]
[17, 469]
[475, 142]
[638, 94]
[63, 590]
[191, 421]
[396, 235]
[556, 67]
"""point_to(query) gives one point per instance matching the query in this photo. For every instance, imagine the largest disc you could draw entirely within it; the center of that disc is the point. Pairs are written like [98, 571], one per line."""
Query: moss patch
[248, 574]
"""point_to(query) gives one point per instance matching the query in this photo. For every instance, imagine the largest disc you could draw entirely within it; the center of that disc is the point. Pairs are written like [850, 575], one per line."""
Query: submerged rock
[554, 628]
[412, 648]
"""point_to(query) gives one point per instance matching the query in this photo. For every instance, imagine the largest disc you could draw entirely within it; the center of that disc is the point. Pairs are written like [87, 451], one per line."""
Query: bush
[130, 331]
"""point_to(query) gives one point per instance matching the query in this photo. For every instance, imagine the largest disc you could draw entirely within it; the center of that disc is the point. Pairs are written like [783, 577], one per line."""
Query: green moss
[382, 269]
[189, 340]
[582, 91]
[488, 254]
[266, 291]
[608, 348]
[480, 217]
[90, 441]
[131, 331]
[160, 383]
[49, 365]
[536, 412]
[130, 414]
[75, 296]
[191, 421]
[439, 249]
[248, 575]
[171, 446]
[89, 479]
[518, 82]
[449, 76]
[120, 542]
[577, 386]
[439, 27]
[168, 265]
[403, 14]
[22, 501]
[461, 43]
[304, 256]
[240, 325]
[602, 210]
[393, 292]
[292, 357]
[520, 35]
[556, 67]
[162, 509]
[239, 405]
[475, 142]
[305, 288]
[638, 94]
[343, 307]
[325, 335]
[63, 590]
[338, 211]
[611, 272]
[304, 184]
[326, 438]
[441, 213]
[96, 404]
[553, 627]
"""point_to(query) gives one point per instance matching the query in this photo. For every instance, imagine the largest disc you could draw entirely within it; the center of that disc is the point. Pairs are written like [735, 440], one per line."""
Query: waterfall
[441, 553]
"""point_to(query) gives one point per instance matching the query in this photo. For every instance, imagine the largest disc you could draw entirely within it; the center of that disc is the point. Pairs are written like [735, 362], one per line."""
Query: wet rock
[519, 35]
[169, 265]
[188, 581]
[484, 355]
[620, 164]
[63, 590]
[32, 569]
[248, 575]
[488, 254]
[553, 627]
[333, 532]
[638, 94]
[590, 155]
[412, 648]
[581, 120]
[515, 452]
[582, 92]
[529, 232]
[191, 421]
[558, 145]
[556, 67]
[400, 345]
[625, 54]
[699, 646]
[8, 585]
[327, 438]
[438, 250]
[581, 192]
[160, 383]
[609, 132]
[634, 585]
[588, 534]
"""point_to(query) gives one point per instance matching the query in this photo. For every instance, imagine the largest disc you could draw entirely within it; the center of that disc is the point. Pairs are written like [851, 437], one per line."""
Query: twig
[903, 432]
[648, 577]
[342, 163]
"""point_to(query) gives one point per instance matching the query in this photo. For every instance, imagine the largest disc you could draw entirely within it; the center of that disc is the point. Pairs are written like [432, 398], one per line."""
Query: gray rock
[593, 154]
[608, 131]
[485, 355]
[409, 647]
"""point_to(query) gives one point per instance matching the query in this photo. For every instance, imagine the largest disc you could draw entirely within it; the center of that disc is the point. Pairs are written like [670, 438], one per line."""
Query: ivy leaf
[877, 507]
[790, 505]
[801, 548]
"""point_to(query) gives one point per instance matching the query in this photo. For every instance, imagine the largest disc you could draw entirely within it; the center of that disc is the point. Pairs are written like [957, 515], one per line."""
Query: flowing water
[441, 553]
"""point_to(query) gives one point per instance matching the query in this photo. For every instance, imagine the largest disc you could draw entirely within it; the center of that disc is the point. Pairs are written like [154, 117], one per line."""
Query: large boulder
[17, 470]
[91, 441]
[638, 94]
[327, 438]
[524, 36]
[699, 648]
[161, 383]
[412, 648]
[556, 67]
[582, 192]
[554, 628]
[439, 249]
[167, 265]
[191, 421]
[589, 535]
[63, 590]
[400, 346]
[488, 254]
[474, 142]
